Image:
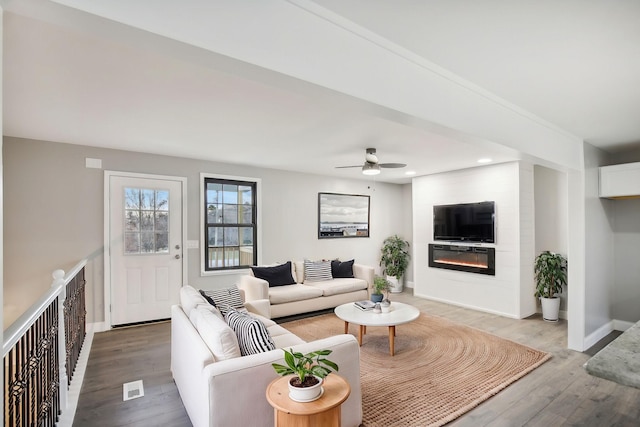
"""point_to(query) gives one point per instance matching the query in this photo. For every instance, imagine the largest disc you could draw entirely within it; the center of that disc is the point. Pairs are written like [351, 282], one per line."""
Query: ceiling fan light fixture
[371, 169]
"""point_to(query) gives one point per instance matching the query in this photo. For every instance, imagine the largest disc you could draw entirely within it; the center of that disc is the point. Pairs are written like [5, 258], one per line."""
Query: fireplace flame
[462, 263]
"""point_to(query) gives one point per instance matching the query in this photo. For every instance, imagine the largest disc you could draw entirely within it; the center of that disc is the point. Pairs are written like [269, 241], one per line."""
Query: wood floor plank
[125, 355]
[558, 393]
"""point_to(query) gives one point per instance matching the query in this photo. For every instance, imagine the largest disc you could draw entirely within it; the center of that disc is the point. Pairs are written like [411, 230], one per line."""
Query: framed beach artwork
[342, 215]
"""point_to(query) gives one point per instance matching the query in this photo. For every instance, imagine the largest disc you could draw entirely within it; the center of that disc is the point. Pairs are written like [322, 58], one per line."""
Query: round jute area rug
[440, 369]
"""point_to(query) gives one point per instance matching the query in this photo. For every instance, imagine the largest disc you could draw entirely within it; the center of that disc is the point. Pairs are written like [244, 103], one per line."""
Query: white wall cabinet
[620, 181]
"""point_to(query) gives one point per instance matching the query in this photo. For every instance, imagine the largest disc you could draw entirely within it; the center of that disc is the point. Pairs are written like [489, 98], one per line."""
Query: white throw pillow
[217, 335]
[190, 298]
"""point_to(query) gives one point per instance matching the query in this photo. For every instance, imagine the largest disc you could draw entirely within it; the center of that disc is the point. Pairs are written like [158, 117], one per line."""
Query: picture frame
[343, 215]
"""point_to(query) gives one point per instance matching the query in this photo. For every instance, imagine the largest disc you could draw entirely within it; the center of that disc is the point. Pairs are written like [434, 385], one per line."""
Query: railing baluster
[41, 350]
[62, 368]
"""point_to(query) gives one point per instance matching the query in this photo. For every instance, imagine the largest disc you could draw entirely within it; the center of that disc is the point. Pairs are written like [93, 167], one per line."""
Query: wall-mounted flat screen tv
[466, 222]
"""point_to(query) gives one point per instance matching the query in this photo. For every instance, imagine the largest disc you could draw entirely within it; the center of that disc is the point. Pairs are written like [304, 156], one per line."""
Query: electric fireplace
[472, 259]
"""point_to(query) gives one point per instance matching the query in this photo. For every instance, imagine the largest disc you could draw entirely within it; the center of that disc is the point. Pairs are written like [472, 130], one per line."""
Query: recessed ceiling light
[410, 173]
[484, 160]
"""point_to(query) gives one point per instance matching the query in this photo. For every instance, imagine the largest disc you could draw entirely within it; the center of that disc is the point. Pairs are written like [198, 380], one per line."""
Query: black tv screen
[466, 222]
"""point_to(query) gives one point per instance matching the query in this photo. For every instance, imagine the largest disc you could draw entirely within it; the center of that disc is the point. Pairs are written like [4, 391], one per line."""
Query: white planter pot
[550, 308]
[395, 285]
[306, 394]
[385, 308]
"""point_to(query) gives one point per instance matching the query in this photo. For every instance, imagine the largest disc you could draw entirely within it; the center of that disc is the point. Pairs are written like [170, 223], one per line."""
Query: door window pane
[132, 221]
[132, 198]
[162, 243]
[146, 217]
[162, 200]
[131, 243]
[147, 199]
[146, 243]
[146, 220]
[162, 222]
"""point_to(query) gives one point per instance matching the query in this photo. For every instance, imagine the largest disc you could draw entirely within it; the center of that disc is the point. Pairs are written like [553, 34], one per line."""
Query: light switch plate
[193, 244]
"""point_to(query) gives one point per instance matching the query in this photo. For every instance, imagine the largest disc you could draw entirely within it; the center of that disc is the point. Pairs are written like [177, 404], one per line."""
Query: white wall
[527, 223]
[551, 207]
[599, 250]
[625, 305]
[504, 292]
[55, 215]
[407, 229]
[626, 239]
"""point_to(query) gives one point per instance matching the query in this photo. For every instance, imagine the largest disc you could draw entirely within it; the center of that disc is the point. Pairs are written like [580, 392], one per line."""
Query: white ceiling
[74, 77]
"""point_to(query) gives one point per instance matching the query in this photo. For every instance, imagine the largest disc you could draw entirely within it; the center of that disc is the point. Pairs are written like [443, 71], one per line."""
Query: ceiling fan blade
[344, 167]
[392, 165]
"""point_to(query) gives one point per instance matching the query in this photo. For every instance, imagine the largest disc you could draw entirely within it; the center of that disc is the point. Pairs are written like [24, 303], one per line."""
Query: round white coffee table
[399, 313]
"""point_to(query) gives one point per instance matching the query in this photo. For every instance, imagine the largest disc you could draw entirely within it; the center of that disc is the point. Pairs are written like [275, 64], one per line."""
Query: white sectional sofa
[221, 388]
[303, 296]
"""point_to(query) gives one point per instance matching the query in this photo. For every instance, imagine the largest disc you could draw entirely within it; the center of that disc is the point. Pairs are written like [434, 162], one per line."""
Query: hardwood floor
[124, 355]
[559, 393]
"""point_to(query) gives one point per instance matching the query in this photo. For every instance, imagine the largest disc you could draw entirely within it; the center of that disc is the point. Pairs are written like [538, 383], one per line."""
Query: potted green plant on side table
[308, 372]
[551, 275]
[395, 261]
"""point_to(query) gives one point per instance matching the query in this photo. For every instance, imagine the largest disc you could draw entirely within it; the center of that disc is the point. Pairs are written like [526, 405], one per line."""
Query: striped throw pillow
[224, 299]
[317, 271]
[253, 336]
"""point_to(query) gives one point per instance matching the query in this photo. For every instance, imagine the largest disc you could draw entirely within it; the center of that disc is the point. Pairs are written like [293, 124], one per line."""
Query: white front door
[145, 254]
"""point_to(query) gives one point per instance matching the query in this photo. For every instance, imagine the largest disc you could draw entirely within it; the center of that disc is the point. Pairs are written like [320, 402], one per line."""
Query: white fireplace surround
[510, 291]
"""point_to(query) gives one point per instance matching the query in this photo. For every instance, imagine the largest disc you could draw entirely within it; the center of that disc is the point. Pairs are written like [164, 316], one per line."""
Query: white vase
[395, 285]
[385, 306]
[550, 308]
[305, 394]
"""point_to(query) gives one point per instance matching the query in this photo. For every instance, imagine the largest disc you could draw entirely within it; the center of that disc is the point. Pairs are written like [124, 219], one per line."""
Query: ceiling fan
[371, 164]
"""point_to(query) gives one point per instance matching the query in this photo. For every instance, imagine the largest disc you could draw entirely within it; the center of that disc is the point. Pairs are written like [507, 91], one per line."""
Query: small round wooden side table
[324, 412]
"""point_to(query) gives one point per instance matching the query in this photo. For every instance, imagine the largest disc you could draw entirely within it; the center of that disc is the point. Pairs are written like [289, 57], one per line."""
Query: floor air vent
[132, 390]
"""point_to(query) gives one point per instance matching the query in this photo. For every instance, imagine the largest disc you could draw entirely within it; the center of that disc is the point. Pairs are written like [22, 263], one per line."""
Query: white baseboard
[622, 325]
[408, 284]
[68, 413]
[598, 334]
[606, 329]
[471, 307]
[98, 327]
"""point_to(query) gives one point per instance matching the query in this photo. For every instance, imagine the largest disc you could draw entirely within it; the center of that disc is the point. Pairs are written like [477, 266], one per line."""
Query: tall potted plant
[395, 261]
[551, 275]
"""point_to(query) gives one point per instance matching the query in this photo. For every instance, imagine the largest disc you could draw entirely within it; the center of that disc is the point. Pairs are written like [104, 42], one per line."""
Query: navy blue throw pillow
[278, 275]
[342, 269]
